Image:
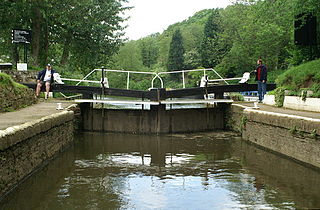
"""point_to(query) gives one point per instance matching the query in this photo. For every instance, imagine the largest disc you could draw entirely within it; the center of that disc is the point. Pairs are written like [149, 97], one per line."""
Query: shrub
[279, 96]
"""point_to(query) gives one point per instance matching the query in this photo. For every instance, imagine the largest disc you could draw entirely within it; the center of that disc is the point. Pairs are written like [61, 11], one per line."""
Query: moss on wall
[14, 95]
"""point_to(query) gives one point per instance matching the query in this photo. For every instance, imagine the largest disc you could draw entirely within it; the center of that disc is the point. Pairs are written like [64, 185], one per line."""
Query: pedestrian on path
[45, 77]
[261, 77]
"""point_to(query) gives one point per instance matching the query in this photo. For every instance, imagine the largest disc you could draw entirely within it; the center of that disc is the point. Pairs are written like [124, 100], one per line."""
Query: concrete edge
[15, 134]
[288, 121]
[240, 106]
[282, 115]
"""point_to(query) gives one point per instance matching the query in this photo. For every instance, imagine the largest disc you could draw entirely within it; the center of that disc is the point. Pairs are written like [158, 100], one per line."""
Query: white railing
[156, 75]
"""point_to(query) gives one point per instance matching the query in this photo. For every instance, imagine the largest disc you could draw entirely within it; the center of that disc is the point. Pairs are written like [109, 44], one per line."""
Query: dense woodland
[79, 35]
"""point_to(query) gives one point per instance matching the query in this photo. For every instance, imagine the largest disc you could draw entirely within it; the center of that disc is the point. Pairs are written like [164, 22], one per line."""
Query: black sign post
[22, 36]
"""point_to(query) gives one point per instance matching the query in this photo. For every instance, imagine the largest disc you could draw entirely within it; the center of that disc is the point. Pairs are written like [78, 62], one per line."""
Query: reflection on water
[194, 171]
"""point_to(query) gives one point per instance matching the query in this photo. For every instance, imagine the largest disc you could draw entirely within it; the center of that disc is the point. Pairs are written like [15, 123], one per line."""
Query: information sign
[21, 36]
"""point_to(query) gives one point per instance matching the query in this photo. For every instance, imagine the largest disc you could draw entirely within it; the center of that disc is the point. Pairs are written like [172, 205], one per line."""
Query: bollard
[59, 106]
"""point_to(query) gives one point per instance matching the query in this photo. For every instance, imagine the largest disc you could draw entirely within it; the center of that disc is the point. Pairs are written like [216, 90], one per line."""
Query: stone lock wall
[292, 136]
[27, 147]
[156, 121]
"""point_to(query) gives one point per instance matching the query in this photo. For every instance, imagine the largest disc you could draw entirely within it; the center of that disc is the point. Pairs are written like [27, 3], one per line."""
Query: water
[192, 171]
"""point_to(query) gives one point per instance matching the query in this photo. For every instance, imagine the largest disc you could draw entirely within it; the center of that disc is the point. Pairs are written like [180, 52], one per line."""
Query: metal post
[25, 53]
[102, 81]
[183, 82]
[128, 80]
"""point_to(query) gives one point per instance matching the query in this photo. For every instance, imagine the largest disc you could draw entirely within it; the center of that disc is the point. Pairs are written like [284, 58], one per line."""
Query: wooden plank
[138, 102]
[134, 102]
[95, 90]
[197, 101]
[215, 89]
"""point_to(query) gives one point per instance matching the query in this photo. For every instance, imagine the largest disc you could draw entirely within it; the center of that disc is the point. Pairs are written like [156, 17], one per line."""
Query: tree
[192, 59]
[176, 52]
[149, 50]
[87, 31]
[256, 29]
[211, 51]
[129, 57]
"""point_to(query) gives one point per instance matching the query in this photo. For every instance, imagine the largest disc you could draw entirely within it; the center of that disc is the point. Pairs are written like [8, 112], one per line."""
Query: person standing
[45, 77]
[261, 77]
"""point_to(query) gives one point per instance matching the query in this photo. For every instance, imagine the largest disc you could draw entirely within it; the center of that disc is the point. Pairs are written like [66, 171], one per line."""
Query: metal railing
[156, 75]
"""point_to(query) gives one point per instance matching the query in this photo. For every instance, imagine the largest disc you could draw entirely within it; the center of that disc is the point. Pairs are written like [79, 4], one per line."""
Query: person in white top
[45, 76]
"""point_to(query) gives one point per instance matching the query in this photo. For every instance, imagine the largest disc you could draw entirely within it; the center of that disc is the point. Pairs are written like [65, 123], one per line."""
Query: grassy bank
[303, 77]
[14, 95]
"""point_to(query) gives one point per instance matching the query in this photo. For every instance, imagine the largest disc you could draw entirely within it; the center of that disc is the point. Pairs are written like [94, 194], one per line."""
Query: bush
[236, 97]
[279, 96]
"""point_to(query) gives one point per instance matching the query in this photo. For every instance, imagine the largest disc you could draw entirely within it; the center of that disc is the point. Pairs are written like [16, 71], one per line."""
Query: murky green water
[192, 171]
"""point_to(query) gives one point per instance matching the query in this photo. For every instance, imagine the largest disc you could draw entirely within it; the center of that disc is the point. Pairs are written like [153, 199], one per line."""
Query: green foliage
[236, 97]
[314, 134]
[293, 130]
[176, 52]
[154, 49]
[279, 96]
[6, 80]
[273, 75]
[149, 50]
[212, 49]
[306, 75]
[251, 35]
[129, 57]
[82, 33]
[303, 94]
[243, 123]
[192, 59]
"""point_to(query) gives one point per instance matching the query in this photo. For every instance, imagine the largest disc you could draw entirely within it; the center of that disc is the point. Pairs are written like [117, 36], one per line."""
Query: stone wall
[27, 147]
[22, 76]
[12, 99]
[14, 96]
[270, 172]
[157, 120]
[292, 136]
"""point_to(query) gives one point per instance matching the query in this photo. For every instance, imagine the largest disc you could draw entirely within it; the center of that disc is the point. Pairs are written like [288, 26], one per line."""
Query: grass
[304, 76]
[6, 80]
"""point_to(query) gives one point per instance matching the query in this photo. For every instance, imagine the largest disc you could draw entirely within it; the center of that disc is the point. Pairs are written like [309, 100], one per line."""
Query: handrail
[157, 75]
[86, 76]
[80, 80]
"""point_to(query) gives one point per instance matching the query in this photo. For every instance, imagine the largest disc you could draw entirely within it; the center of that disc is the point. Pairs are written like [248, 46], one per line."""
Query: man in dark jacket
[261, 77]
[45, 76]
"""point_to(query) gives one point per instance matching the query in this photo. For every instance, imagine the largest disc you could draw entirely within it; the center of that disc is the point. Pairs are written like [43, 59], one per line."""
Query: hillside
[304, 76]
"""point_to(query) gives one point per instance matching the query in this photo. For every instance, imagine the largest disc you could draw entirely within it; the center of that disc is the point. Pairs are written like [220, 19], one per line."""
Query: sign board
[22, 66]
[21, 36]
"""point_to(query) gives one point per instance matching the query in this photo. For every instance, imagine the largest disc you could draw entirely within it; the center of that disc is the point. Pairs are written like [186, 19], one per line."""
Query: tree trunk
[45, 44]
[15, 54]
[66, 50]
[36, 33]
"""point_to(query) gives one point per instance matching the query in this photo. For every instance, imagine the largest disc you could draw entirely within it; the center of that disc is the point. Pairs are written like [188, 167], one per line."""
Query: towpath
[34, 112]
[268, 108]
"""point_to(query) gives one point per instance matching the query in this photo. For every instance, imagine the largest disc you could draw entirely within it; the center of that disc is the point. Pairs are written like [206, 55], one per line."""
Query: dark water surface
[192, 171]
